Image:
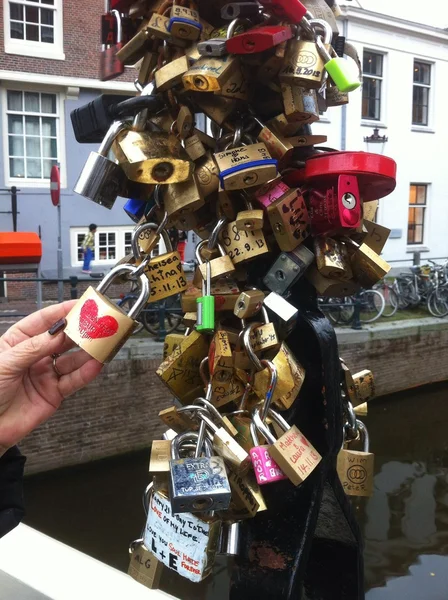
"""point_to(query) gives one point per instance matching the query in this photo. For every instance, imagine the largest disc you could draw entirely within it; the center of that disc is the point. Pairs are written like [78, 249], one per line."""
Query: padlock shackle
[209, 423]
[271, 388]
[234, 24]
[213, 239]
[119, 25]
[144, 287]
[187, 436]
[262, 428]
[160, 231]
[133, 545]
[116, 128]
[211, 409]
[146, 498]
[365, 434]
[248, 347]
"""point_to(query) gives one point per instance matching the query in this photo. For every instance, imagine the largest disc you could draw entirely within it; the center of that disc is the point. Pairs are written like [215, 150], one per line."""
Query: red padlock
[292, 10]
[110, 66]
[376, 174]
[337, 208]
[259, 39]
[122, 6]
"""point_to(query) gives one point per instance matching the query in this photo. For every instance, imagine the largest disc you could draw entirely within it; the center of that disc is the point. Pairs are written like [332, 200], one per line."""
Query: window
[420, 95]
[416, 218]
[32, 125]
[371, 85]
[111, 244]
[34, 28]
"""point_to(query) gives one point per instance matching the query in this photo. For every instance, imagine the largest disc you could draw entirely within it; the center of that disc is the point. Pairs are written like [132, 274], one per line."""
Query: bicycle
[341, 311]
[391, 298]
[423, 286]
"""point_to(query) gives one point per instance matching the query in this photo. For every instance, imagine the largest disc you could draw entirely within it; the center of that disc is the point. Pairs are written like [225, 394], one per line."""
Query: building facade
[49, 56]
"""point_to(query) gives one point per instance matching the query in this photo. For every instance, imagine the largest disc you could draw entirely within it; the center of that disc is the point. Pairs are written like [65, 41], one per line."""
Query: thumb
[30, 351]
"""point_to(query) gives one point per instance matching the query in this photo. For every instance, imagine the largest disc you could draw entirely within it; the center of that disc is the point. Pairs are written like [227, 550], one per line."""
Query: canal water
[97, 508]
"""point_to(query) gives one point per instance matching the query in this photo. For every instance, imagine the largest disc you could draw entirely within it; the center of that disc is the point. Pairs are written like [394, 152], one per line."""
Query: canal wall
[117, 413]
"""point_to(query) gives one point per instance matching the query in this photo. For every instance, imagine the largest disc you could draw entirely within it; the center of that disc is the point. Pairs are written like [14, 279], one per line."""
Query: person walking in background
[88, 246]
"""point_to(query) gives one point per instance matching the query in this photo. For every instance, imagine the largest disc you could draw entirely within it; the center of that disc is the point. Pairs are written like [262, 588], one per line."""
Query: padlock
[171, 342]
[197, 484]
[165, 272]
[241, 10]
[214, 47]
[217, 108]
[261, 337]
[207, 175]
[356, 469]
[369, 210]
[303, 65]
[300, 104]
[291, 376]
[336, 208]
[243, 246]
[250, 219]
[224, 387]
[334, 97]
[259, 39]
[101, 179]
[136, 47]
[151, 157]
[332, 258]
[209, 74]
[179, 422]
[249, 303]
[180, 371]
[194, 147]
[144, 566]
[171, 74]
[285, 313]
[289, 220]
[226, 204]
[226, 446]
[288, 269]
[213, 412]
[331, 288]
[376, 236]
[219, 267]
[169, 538]
[110, 65]
[229, 540]
[291, 10]
[236, 85]
[206, 305]
[245, 166]
[364, 386]
[343, 72]
[241, 420]
[184, 23]
[293, 452]
[278, 146]
[368, 267]
[98, 325]
[247, 499]
[159, 461]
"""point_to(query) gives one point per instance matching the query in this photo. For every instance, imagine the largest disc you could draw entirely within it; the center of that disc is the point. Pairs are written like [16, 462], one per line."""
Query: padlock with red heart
[99, 326]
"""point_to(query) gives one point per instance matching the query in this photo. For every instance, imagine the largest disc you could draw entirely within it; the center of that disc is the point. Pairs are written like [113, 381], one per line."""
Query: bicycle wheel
[406, 292]
[126, 304]
[390, 299]
[372, 306]
[333, 312]
[438, 302]
[172, 321]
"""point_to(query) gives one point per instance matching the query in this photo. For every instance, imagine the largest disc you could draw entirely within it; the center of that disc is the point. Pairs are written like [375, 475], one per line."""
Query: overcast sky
[435, 13]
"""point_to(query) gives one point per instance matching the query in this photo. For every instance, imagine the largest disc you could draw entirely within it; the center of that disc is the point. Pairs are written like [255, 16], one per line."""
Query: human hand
[30, 389]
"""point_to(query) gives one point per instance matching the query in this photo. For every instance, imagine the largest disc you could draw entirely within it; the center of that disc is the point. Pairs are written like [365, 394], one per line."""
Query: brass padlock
[217, 108]
[159, 461]
[332, 258]
[243, 245]
[171, 342]
[220, 266]
[235, 86]
[376, 237]
[303, 63]
[331, 287]
[356, 469]
[250, 219]
[249, 303]
[289, 220]
[183, 197]
[194, 147]
[245, 166]
[209, 74]
[369, 210]
[177, 421]
[171, 74]
[98, 325]
[180, 371]
[368, 267]
[144, 566]
[207, 175]
[184, 23]
[300, 104]
[225, 387]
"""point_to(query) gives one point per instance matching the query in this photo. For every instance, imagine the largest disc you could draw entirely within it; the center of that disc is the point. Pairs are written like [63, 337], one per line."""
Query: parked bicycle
[341, 311]
[425, 285]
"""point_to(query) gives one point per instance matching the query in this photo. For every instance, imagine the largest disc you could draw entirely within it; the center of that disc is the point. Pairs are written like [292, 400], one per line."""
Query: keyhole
[162, 171]
[202, 504]
[200, 83]
[280, 275]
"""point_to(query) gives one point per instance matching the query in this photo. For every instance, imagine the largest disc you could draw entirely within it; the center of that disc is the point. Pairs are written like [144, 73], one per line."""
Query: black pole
[14, 207]
[356, 323]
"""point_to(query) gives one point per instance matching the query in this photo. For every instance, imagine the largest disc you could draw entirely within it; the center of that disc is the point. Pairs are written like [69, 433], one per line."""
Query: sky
[435, 13]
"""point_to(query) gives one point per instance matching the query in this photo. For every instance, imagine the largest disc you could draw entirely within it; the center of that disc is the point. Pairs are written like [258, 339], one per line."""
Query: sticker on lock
[183, 543]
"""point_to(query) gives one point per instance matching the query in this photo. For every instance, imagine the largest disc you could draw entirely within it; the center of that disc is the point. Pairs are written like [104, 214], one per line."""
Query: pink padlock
[265, 467]
[270, 192]
[337, 208]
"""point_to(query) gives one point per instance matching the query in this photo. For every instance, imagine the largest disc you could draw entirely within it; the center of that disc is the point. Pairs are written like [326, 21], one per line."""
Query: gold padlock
[194, 147]
[209, 74]
[289, 220]
[332, 258]
[272, 63]
[331, 287]
[369, 210]
[144, 566]
[220, 266]
[376, 237]
[217, 108]
[182, 197]
[303, 64]
[243, 245]
[180, 371]
[207, 175]
[250, 219]
[356, 469]
[235, 86]
[98, 325]
[184, 23]
[171, 342]
[368, 267]
[245, 166]
[175, 420]
[300, 104]
[224, 387]
[171, 74]
[159, 460]
[249, 303]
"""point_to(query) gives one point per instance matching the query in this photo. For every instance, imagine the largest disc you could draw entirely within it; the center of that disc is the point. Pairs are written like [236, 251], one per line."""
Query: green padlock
[206, 305]
[344, 74]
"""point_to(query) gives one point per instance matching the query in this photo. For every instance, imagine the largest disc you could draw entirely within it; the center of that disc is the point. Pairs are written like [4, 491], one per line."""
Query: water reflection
[97, 509]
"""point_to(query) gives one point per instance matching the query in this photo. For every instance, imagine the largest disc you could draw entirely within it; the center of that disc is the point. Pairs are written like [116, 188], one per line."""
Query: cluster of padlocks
[272, 210]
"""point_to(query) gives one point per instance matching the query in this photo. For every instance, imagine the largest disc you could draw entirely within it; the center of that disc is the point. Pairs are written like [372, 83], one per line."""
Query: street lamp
[375, 138]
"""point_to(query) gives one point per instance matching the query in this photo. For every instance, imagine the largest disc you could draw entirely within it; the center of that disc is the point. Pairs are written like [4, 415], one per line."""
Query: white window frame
[60, 134]
[53, 51]
[119, 231]
[430, 87]
[380, 121]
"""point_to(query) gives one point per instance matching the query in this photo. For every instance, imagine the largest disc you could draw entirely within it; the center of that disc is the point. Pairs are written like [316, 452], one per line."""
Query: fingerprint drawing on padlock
[92, 327]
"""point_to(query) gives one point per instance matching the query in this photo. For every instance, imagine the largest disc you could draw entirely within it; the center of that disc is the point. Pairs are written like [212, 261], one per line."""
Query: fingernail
[57, 327]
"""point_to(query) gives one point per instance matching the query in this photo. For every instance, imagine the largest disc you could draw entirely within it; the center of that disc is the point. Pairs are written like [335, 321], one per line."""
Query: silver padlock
[287, 269]
[286, 314]
[101, 179]
[197, 484]
[229, 539]
[213, 47]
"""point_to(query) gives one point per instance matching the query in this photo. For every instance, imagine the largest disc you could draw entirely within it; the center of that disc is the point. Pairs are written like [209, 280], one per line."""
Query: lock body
[300, 104]
[332, 258]
[244, 245]
[101, 180]
[144, 567]
[295, 455]
[245, 166]
[159, 461]
[184, 23]
[303, 65]
[337, 208]
[166, 276]
[289, 220]
[355, 470]
[270, 192]
[265, 468]
[98, 325]
[288, 269]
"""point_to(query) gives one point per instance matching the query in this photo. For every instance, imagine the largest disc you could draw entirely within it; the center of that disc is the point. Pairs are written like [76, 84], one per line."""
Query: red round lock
[376, 173]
